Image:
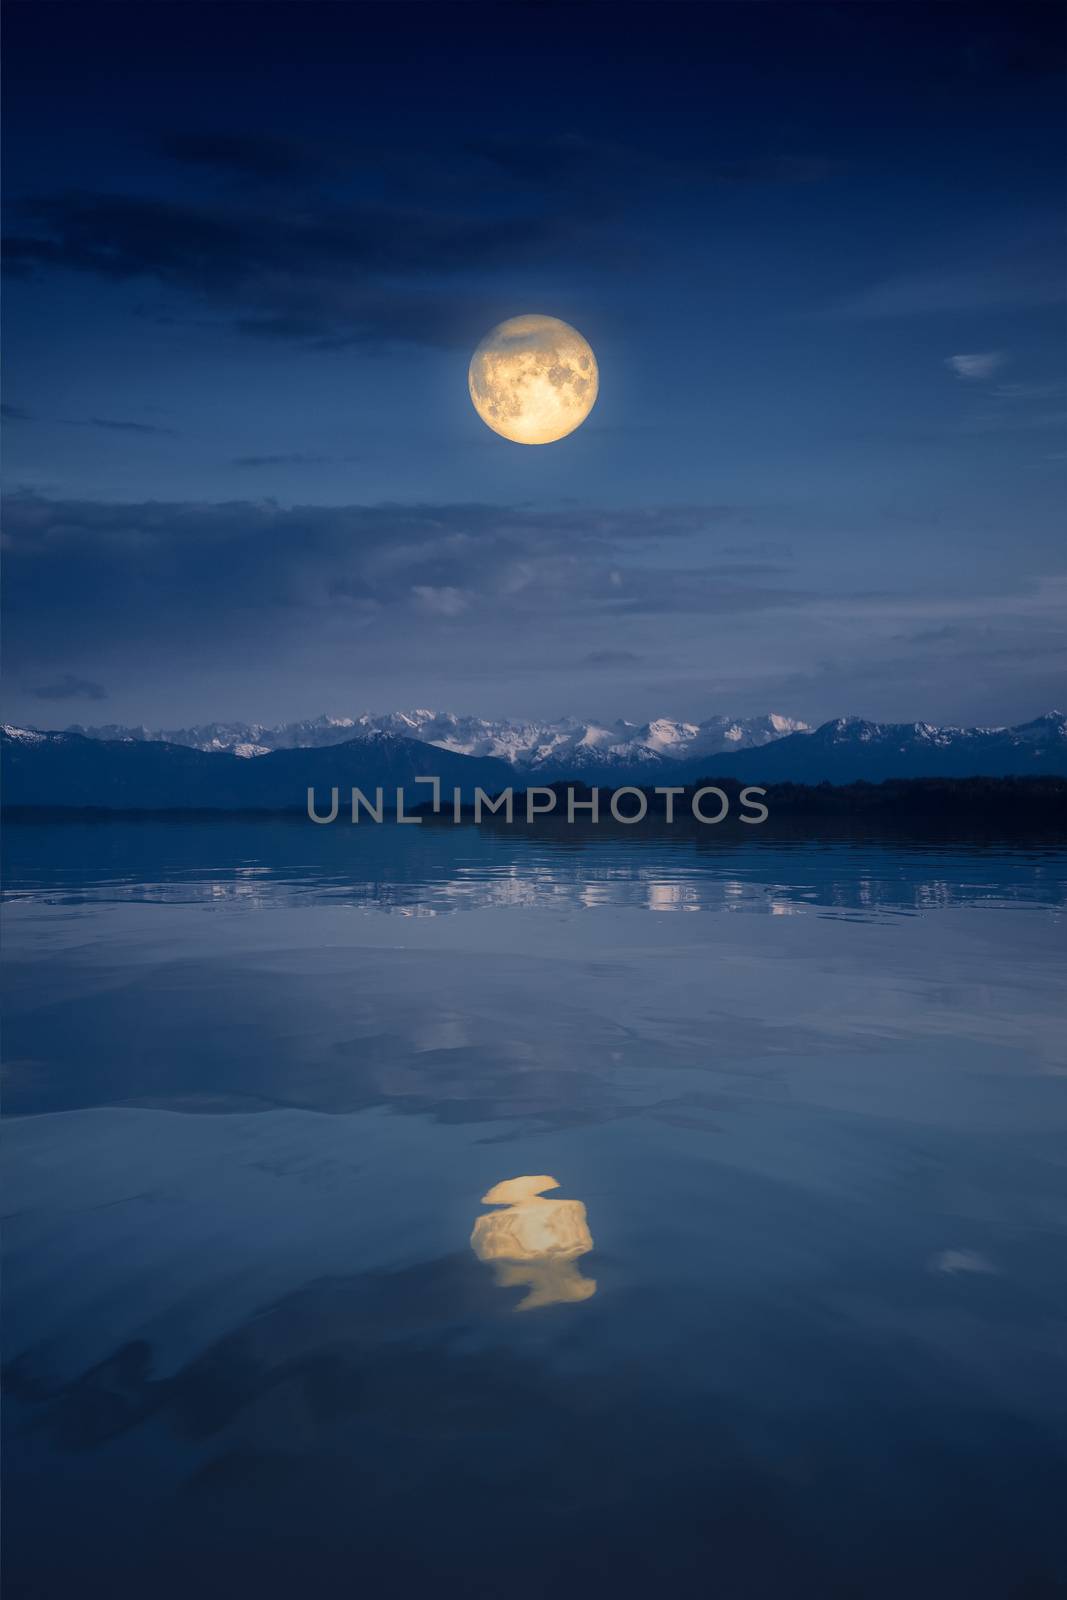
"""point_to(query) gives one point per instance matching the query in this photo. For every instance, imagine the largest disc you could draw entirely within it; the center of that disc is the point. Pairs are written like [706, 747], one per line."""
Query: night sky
[818, 251]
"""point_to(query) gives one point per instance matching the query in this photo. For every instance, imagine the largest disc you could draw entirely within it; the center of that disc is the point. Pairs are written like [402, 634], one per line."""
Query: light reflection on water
[438, 870]
[534, 1243]
[261, 1338]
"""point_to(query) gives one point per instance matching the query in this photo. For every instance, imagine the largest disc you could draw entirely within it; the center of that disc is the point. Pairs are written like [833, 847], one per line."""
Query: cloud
[114, 425]
[611, 658]
[952, 1262]
[242, 579]
[443, 601]
[245, 155]
[574, 161]
[334, 273]
[990, 276]
[332, 262]
[294, 460]
[1009, 407]
[1004, 421]
[249, 599]
[987, 656]
[981, 364]
[1026, 391]
[70, 687]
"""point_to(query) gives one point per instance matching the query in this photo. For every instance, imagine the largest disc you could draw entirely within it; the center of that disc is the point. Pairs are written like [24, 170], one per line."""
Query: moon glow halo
[533, 379]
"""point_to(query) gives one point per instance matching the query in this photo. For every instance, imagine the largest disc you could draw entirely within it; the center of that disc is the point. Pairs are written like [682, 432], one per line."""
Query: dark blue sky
[251, 247]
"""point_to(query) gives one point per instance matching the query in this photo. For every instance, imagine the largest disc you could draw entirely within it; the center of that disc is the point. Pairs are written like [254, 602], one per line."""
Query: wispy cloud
[442, 600]
[978, 365]
[118, 425]
[165, 579]
[1005, 420]
[290, 241]
[952, 1262]
[245, 155]
[70, 687]
[980, 275]
[611, 658]
[111, 424]
[332, 273]
[1026, 391]
[441, 593]
[295, 459]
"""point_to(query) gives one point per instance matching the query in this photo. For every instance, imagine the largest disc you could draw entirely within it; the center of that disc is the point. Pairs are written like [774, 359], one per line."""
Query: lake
[505, 1212]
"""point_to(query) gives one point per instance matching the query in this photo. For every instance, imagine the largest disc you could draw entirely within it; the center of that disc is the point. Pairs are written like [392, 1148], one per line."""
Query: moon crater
[533, 379]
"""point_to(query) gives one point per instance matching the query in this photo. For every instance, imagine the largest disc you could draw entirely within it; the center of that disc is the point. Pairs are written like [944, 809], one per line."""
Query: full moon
[533, 379]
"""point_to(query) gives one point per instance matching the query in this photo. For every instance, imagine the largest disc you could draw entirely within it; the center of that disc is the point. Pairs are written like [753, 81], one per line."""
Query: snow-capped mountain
[850, 749]
[527, 746]
[135, 772]
[775, 748]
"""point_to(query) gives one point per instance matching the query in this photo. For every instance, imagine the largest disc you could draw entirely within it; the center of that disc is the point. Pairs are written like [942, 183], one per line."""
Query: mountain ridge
[854, 749]
[65, 769]
[528, 746]
[53, 768]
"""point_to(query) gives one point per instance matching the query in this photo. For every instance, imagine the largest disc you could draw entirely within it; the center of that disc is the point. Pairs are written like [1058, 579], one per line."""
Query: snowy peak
[247, 758]
[629, 750]
[850, 749]
[844, 731]
[1049, 729]
[540, 747]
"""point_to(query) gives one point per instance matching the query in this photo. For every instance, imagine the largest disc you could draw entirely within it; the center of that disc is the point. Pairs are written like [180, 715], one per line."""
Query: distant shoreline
[1013, 804]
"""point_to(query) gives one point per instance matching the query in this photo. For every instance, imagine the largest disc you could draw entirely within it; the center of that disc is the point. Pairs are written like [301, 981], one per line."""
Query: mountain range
[69, 769]
[135, 772]
[563, 747]
[851, 750]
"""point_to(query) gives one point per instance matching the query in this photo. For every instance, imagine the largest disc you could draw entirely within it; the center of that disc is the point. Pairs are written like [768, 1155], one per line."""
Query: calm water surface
[404, 1211]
